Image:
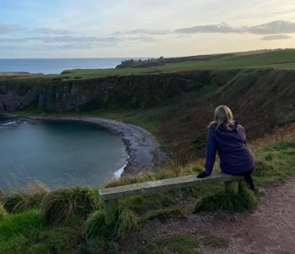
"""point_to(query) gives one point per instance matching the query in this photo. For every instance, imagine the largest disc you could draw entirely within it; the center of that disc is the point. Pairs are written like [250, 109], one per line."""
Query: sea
[58, 153]
[57, 65]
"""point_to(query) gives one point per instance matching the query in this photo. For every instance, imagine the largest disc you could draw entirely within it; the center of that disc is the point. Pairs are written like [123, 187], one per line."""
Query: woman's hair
[223, 117]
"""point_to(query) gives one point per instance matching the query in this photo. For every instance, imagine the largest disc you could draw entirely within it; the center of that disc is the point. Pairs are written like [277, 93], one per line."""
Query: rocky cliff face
[136, 91]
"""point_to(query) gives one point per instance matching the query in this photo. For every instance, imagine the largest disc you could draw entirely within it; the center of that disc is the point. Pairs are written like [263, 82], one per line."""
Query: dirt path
[269, 230]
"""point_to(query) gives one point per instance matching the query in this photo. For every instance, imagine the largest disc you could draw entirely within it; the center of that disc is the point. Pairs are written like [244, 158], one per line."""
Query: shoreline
[141, 146]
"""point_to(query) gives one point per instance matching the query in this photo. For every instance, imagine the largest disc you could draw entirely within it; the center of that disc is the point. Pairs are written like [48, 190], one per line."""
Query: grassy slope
[283, 59]
[276, 59]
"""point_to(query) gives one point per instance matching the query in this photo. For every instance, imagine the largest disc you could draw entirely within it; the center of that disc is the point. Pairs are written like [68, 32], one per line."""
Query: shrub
[63, 203]
[25, 197]
[125, 221]
[228, 201]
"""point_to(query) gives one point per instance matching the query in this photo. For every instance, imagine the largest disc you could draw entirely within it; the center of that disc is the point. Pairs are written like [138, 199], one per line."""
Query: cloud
[44, 30]
[276, 37]
[6, 28]
[221, 28]
[275, 27]
[77, 39]
[144, 31]
[72, 42]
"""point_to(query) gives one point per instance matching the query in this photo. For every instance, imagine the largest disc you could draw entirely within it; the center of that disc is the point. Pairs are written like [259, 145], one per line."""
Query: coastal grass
[62, 203]
[177, 244]
[215, 241]
[144, 203]
[243, 201]
[125, 221]
[27, 233]
[3, 212]
[275, 162]
[162, 215]
[24, 197]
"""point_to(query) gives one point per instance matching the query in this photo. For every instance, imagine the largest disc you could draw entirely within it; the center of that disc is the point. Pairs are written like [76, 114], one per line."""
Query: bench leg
[232, 186]
[110, 207]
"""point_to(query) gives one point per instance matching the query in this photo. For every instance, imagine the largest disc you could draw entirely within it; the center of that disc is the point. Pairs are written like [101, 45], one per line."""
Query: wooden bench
[110, 196]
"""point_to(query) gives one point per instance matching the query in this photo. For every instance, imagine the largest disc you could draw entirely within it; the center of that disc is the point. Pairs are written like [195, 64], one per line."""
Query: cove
[57, 153]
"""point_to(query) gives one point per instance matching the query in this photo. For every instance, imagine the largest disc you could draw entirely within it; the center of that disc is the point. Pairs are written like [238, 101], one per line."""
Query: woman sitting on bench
[228, 138]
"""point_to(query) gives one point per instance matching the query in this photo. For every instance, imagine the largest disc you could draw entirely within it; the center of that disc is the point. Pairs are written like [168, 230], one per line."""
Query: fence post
[110, 207]
[232, 186]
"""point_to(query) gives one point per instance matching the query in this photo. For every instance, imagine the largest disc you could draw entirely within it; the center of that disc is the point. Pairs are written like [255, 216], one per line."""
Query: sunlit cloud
[276, 37]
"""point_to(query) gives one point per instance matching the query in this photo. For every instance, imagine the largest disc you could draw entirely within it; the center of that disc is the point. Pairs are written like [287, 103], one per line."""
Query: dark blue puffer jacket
[235, 156]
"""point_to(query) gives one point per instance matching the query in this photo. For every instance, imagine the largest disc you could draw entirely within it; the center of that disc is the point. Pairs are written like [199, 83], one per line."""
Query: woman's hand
[202, 175]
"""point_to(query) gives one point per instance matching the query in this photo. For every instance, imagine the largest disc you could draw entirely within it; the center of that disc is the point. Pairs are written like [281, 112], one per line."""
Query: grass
[243, 201]
[275, 162]
[3, 212]
[59, 205]
[25, 197]
[179, 244]
[125, 221]
[280, 59]
[163, 214]
[145, 203]
[216, 242]
[26, 233]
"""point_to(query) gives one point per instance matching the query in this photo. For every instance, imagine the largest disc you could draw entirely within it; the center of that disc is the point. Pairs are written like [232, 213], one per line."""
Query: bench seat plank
[163, 185]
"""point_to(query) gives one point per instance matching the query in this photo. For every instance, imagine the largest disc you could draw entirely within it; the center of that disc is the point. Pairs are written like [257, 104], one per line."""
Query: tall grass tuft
[3, 212]
[59, 205]
[228, 201]
[125, 221]
[96, 226]
[25, 197]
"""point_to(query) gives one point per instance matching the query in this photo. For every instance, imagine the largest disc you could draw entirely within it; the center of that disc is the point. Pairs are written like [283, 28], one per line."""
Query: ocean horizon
[57, 65]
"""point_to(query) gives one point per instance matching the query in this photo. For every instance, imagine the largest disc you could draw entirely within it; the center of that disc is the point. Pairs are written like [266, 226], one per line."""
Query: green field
[283, 59]
[280, 59]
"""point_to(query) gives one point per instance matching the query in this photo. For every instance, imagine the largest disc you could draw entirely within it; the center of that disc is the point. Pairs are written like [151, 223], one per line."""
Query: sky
[142, 28]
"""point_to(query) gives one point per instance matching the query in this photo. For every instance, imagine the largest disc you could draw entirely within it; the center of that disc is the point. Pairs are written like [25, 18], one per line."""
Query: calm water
[57, 153]
[56, 66]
